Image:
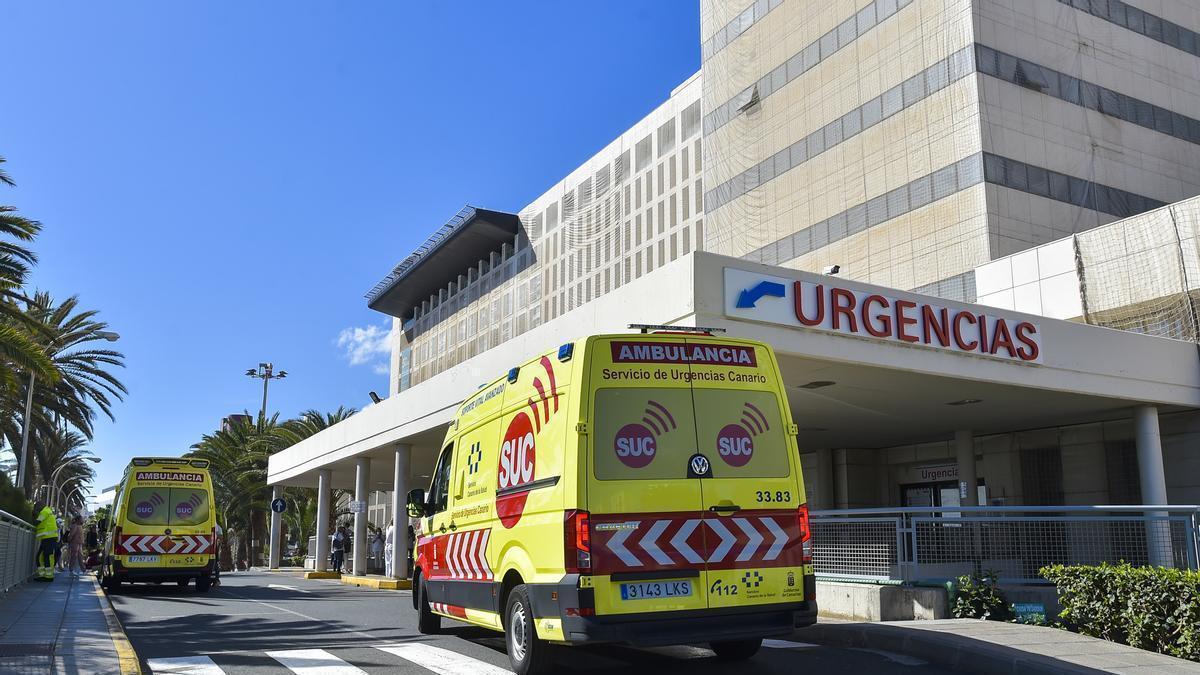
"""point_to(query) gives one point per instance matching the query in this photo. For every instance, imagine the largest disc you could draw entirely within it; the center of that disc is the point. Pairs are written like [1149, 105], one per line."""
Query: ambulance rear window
[742, 433]
[167, 506]
[643, 433]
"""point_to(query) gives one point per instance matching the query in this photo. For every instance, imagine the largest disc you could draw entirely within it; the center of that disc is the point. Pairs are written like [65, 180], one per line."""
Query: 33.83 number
[766, 496]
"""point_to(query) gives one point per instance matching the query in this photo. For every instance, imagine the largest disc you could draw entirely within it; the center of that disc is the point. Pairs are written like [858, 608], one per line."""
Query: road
[259, 623]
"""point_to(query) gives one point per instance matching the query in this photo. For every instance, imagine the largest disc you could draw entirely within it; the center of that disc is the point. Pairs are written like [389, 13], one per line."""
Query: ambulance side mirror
[416, 503]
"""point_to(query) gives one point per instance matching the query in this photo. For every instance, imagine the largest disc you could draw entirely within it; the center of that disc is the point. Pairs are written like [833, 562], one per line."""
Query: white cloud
[367, 345]
[381, 369]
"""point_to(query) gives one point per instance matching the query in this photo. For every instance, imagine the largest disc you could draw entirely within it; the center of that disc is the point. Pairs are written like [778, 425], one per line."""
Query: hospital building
[1020, 175]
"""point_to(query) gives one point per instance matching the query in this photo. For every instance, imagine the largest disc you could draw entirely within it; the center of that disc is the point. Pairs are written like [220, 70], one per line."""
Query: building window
[666, 137]
[1042, 476]
[644, 153]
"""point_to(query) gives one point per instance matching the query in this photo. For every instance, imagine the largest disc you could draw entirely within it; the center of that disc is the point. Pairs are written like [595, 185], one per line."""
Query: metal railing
[16, 551]
[937, 543]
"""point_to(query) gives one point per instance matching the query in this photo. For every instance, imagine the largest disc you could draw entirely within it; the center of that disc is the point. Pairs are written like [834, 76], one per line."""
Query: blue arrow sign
[751, 295]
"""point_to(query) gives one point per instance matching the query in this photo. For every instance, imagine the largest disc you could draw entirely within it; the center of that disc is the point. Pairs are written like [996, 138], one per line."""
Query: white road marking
[288, 588]
[314, 661]
[185, 665]
[289, 611]
[442, 661]
[788, 644]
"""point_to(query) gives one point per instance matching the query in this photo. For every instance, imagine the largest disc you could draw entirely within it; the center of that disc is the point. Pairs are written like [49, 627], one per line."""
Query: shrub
[979, 597]
[13, 500]
[1152, 608]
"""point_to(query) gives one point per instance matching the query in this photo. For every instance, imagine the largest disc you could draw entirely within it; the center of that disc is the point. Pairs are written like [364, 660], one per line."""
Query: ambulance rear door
[752, 496]
[647, 539]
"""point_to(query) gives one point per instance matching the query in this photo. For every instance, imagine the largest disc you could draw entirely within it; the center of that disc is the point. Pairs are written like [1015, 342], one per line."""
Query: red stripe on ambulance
[649, 542]
[461, 556]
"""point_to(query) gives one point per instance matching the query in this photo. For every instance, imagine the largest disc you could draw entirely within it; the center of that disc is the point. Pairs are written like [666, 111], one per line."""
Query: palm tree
[301, 516]
[18, 347]
[84, 384]
[58, 451]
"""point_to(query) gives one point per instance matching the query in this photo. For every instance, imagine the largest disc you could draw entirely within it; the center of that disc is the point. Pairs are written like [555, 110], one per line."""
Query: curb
[949, 650]
[322, 575]
[379, 583]
[126, 656]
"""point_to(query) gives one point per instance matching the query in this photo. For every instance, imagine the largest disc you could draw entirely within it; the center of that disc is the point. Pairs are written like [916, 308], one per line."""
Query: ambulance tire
[203, 583]
[111, 583]
[428, 623]
[736, 650]
[528, 654]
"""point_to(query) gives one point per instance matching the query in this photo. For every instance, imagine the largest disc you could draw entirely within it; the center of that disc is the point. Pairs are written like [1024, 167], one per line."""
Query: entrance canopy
[865, 366]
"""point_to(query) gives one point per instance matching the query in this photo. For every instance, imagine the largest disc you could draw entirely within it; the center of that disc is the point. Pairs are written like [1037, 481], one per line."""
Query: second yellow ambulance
[640, 489]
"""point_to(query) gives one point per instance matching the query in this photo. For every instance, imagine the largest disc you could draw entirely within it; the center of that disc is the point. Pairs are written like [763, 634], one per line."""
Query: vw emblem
[699, 466]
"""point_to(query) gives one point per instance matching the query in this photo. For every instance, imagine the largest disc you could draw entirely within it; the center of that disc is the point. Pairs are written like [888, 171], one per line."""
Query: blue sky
[225, 180]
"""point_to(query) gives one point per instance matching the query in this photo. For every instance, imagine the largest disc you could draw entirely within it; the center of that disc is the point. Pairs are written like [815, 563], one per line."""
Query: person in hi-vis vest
[47, 536]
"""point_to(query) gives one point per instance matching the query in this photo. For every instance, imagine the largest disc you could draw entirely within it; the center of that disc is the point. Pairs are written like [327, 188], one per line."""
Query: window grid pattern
[805, 60]
[904, 95]
[1141, 22]
[736, 26]
[1085, 94]
[600, 234]
[1063, 188]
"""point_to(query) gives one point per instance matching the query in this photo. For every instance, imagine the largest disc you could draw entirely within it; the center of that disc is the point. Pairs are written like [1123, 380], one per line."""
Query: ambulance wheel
[428, 623]
[183, 583]
[528, 653]
[736, 650]
[111, 583]
[202, 583]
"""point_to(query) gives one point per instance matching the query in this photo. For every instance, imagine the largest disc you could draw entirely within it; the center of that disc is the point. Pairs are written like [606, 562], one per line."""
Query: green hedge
[1151, 608]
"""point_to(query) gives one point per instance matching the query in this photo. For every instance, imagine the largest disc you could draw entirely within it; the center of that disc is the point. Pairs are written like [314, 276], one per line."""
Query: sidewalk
[973, 646]
[65, 626]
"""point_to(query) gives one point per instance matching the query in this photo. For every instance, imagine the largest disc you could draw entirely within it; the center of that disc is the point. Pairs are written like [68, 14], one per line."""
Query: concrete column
[823, 482]
[400, 511]
[1154, 484]
[324, 477]
[276, 526]
[362, 481]
[964, 448]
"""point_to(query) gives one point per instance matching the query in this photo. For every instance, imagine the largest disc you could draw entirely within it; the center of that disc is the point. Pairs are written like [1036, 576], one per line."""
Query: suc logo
[735, 442]
[518, 459]
[144, 509]
[636, 443]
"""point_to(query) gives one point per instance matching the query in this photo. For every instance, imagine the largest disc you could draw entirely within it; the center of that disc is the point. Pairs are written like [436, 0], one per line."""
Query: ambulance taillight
[578, 541]
[805, 533]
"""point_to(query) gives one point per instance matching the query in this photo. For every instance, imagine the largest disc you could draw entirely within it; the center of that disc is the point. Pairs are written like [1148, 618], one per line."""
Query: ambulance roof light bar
[646, 328]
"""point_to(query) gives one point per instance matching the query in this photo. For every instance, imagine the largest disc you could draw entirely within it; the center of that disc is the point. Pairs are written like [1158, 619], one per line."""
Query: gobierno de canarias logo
[518, 453]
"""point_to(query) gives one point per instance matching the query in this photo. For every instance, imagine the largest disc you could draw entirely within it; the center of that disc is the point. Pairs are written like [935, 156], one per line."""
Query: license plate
[141, 559]
[656, 589]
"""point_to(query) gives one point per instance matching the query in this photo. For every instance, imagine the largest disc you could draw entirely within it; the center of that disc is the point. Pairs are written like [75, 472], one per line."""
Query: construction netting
[1142, 274]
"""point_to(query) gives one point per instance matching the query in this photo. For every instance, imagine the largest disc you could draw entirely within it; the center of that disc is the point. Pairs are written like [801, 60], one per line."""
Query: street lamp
[53, 487]
[66, 502]
[266, 373]
[102, 334]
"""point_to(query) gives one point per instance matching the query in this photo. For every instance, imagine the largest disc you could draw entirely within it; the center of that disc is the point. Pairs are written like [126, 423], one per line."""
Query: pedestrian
[339, 549]
[91, 540]
[377, 547]
[47, 536]
[389, 545]
[75, 546]
[218, 533]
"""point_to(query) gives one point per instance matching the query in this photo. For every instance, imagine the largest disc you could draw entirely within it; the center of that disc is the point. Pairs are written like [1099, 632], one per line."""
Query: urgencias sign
[830, 306]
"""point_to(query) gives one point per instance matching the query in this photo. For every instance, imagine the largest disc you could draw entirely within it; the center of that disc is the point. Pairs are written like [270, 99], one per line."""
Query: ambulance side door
[437, 524]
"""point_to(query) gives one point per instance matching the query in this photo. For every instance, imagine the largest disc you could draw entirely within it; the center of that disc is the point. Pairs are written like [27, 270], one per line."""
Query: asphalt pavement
[259, 623]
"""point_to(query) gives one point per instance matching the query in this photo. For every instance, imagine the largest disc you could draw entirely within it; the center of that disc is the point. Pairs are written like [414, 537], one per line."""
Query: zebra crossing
[415, 657]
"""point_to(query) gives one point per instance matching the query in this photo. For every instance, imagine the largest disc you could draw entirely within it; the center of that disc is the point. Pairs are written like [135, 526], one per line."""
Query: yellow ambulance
[163, 525]
[641, 489]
